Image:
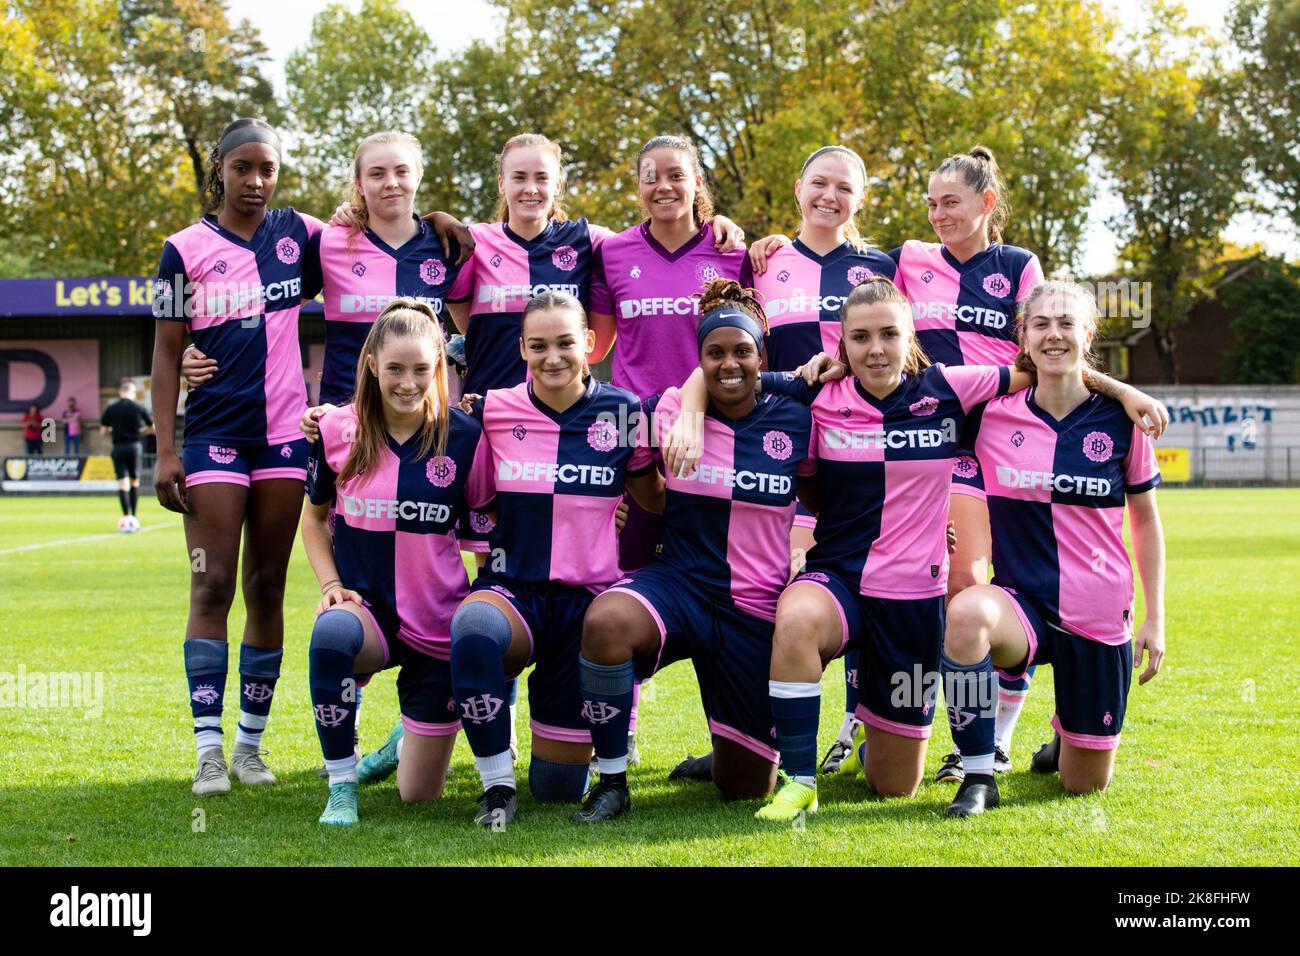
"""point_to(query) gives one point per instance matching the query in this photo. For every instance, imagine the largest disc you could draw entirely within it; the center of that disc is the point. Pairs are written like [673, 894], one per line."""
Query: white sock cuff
[788, 690]
[497, 770]
[616, 765]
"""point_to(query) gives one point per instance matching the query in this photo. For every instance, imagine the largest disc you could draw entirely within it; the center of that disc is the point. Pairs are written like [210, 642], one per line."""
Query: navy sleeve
[970, 426]
[169, 286]
[320, 476]
[313, 277]
[747, 273]
[896, 254]
[790, 385]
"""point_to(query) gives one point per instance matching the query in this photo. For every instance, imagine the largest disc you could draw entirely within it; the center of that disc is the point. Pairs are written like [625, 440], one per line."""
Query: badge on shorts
[934, 570]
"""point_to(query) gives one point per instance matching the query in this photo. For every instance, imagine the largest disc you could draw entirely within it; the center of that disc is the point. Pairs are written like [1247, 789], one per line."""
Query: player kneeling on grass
[711, 594]
[1060, 463]
[397, 467]
[559, 465]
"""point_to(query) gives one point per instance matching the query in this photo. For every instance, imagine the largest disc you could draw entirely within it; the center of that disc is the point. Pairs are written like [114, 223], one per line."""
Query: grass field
[1202, 776]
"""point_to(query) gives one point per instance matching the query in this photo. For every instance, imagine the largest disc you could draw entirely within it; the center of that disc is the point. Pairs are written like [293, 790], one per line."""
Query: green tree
[1176, 163]
[358, 74]
[1268, 34]
[1266, 328]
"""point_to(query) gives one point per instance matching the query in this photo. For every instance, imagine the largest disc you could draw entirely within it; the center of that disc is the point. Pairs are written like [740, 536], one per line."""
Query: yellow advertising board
[1175, 463]
[98, 468]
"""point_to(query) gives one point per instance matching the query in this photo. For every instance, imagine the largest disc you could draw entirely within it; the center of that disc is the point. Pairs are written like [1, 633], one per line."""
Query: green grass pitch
[1202, 776]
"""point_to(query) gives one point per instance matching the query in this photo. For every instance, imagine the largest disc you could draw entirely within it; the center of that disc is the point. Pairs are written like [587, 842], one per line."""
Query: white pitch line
[92, 537]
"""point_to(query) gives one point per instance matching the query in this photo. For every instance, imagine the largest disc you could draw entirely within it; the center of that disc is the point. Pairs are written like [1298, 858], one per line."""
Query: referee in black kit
[127, 420]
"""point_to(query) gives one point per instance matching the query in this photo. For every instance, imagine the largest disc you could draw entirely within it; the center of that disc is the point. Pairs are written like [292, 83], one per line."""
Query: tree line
[108, 108]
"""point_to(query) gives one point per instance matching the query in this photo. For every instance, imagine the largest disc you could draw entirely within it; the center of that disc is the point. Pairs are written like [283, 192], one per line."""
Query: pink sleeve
[313, 224]
[1141, 470]
[598, 235]
[1030, 276]
[463, 288]
[480, 488]
[976, 383]
[600, 300]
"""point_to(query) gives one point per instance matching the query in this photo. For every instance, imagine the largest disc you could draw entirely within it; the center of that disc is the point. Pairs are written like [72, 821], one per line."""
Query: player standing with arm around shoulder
[1060, 464]
[560, 464]
[711, 594]
[234, 281]
[396, 468]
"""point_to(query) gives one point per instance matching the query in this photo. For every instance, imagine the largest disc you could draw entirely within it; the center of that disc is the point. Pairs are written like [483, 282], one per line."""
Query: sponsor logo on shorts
[287, 251]
[258, 692]
[1107, 719]
[222, 456]
[440, 471]
[504, 592]
[480, 709]
[815, 576]
[925, 406]
[1018, 438]
[432, 272]
[859, 274]
[480, 522]
[205, 694]
[997, 284]
[519, 431]
[565, 258]
[331, 715]
[286, 451]
[706, 272]
[358, 269]
[777, 444]
[602, 435]
[851, 675]
[1098, 446]
[221, 267]
[599, 712]
[965, 467]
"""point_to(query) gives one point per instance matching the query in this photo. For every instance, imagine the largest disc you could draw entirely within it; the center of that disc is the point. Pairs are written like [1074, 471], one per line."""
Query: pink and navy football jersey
[359, 282]
[395, 526]
[653, 295]
[965, 312]
[883, 471]
[240, 300]
[1056, 506]
[503, 274]
[803, 294]
[727, 526]
[559, 478]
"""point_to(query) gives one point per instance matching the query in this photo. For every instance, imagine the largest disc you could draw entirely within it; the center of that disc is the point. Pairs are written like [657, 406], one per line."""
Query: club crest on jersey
[815, 576]
[599, 712]
[602, 435]
[222, 456]
[636, 272]
[258, 693]
[706, 272]
[927, 276]
[205, 694]
[1018, 438]
[777, 445]
[432, 272]
[496, 261]
[330, 715]
[358, 269]
[859, 274]
[286, 451]
[480, 522]
[519, 431]
[925, 406]
[997, 284]
[480, 709]
[220, 267]
[965, 467]
[440, 471]
[287, 251]
[783, 275]
[565, 258]
[1098, 446]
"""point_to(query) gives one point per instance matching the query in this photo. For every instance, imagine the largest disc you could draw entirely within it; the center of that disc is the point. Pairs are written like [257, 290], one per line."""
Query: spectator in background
[32, 430]
[72, 424]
